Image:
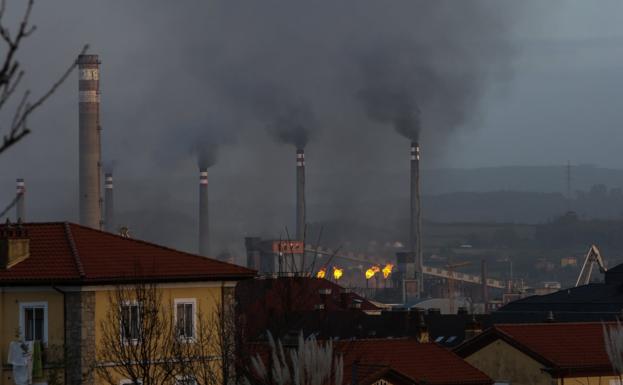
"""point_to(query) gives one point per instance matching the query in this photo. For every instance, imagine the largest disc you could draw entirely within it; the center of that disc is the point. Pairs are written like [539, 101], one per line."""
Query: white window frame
[22, 322]
[181, 379]
[193, 301]
[121, 336]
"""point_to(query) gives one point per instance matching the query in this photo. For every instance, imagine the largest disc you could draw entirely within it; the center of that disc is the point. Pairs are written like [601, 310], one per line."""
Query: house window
[185, 317]
[33, 321]
[185, 380]
[130, 322]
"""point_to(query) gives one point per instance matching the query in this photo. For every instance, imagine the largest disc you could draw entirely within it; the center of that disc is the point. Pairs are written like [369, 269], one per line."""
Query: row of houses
[80, 303]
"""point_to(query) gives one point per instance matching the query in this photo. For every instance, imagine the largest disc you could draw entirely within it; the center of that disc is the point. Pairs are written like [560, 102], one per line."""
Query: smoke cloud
[288, 118]
[432, 77]
[207, 81]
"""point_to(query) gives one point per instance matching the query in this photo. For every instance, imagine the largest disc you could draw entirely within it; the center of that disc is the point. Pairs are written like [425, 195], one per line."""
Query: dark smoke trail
[207, 153]
[288, 118]
[292, 123]
[390, 92]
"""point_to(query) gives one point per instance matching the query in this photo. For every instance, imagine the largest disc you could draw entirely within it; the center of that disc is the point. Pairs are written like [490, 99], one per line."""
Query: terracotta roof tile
[66, 252]
[423, 362]
[566, 345]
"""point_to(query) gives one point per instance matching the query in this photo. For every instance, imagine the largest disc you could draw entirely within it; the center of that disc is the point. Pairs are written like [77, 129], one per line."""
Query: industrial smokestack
[204, 231]
[415, 217]
[90, 142]
[300, 194]
[109, 204]
[20, 214]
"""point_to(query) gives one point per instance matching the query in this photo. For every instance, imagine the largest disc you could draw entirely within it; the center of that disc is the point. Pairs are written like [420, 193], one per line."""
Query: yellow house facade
[56, 285]
[541, 354]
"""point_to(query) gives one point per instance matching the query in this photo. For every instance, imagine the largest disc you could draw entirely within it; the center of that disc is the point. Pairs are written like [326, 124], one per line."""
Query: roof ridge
[74, 249]
[160, 246]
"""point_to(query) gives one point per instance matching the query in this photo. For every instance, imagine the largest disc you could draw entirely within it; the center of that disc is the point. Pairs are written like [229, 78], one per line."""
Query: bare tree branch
[11, 76]
[150, 349]
[9, 206]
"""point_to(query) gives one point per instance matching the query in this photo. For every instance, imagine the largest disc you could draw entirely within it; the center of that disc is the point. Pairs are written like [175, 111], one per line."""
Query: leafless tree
[11, 75]
[137, 337]
[141, 340]
[210, 357]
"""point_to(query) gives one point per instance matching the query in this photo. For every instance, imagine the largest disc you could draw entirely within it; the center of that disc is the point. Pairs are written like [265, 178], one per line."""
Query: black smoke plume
[207, 153]
[293, 123]
[283, 67]
[288, 118]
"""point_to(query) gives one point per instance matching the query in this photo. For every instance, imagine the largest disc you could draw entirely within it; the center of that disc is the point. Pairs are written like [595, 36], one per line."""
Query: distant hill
[163, 208]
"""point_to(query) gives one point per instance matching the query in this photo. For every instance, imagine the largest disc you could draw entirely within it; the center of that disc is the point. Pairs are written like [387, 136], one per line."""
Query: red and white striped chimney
[90, 142]
[204, 227]
[109, 204]
[20, 213]
[300, 194]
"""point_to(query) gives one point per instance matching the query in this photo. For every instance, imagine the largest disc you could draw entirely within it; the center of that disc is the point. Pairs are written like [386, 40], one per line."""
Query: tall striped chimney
[20, 213]
[204, 226]
[109, 204]
[415, 217]
[90, 142]
[300, 194]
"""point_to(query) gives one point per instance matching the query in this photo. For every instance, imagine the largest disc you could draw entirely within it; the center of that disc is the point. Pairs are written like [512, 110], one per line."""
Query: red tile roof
[421, 362]
[72, 254]
[564, 347]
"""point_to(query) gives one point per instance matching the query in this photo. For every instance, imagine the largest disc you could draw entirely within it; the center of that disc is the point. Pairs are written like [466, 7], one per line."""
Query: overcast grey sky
[544, 82]
[562, 101]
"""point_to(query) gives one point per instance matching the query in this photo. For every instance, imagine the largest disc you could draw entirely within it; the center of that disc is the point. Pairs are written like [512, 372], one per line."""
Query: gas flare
[387, 270]
[372, 271]
[337, 273]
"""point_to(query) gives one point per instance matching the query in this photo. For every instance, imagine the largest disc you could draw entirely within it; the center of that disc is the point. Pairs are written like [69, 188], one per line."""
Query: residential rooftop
[70, 254]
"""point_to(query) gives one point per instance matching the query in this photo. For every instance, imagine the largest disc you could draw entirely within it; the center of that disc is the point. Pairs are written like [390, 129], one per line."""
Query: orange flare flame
[321, 273]
[387, 270]
[371, 271]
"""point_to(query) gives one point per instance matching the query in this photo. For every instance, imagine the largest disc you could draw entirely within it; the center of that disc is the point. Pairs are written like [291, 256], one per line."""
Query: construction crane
[451, 281]
[593, 256]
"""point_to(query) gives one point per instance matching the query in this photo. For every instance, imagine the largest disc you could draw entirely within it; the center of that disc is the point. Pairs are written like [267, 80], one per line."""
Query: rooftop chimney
[20, 214]
[472, 328]
[204, 232]
[415, 217]
[300, 194]
[14, 245]
[90, 145]
[109, 204]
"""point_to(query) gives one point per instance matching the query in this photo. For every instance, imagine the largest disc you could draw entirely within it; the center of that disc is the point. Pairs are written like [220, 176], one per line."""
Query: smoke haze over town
[236, 86]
